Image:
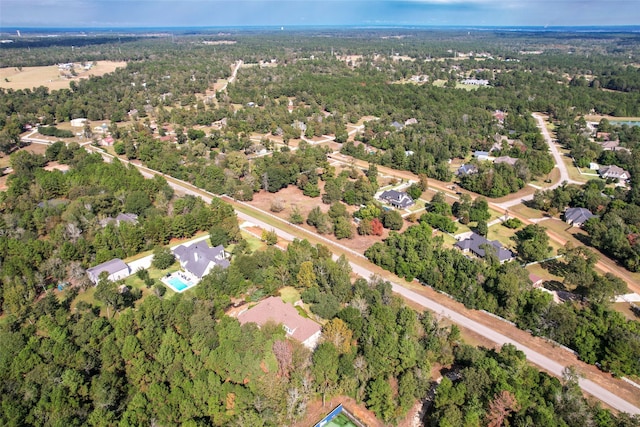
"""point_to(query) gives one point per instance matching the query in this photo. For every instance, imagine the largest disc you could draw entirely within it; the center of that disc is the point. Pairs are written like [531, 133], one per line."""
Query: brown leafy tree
[283, 351]
[500, 407]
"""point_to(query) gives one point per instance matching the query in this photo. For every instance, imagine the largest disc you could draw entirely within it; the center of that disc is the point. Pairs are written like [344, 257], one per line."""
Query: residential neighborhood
[300, 225]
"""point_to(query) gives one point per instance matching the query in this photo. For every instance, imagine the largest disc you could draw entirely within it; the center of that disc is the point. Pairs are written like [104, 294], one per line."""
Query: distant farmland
[51, 76]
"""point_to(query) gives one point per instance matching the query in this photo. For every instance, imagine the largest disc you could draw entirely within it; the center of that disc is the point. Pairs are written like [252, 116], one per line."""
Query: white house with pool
[196, 260]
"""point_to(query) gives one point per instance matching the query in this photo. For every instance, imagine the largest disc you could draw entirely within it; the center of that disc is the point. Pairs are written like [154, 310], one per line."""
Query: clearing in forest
[51, 76]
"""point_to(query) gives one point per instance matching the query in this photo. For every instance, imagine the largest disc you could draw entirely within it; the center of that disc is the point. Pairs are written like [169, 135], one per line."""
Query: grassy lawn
[85, 296]
[526, 212]
[289, 294]
[441, 83]
[468, 87]
[553, 176]
[625, 309]
[448, 240]
[418, 206]
[255, 244]
[495, 215]
[134, 282]
[560, 227]
[589, 173]
[574, 172]
[540, 271]
[502, 235]
[462, 228]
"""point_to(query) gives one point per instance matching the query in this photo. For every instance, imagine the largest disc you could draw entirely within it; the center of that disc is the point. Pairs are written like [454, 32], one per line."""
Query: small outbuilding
[78, 123]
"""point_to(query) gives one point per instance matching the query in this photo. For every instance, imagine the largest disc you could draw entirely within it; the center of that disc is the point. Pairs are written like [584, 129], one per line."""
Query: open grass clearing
[50, 76]
[289, 294]
[447, 239]
[598, 117]
[419, 206]
[546, 180]
[625, 309]
[502, 234]
[526, 212]
[542, 272]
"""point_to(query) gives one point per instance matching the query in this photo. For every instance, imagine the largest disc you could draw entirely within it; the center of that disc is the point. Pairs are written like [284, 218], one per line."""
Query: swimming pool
[177, 283]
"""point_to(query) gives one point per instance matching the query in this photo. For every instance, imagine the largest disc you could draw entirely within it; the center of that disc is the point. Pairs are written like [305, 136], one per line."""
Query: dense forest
[597, 333]
[179, 361]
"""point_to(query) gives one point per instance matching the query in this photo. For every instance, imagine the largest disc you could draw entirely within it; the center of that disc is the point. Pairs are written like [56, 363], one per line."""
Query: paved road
[500, 339]
[533, 356]
[233, 76]
[557, 155]
[558, 158]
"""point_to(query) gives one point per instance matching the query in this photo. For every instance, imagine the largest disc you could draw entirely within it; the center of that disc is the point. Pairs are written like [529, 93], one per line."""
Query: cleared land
[50, 76]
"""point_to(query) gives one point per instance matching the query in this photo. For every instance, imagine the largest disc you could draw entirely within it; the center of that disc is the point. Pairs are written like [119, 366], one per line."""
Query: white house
[613, 171]
[78, 123]
[199, 258]
[397, 199]
[116, 269]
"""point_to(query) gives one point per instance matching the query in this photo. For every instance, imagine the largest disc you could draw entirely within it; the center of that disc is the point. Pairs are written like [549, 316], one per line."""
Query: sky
[213, 13]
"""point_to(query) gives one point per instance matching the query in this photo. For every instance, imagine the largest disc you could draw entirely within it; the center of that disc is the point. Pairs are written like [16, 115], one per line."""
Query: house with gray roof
[397, 199]
[577, 216]
[481, 155]
[199, 258]
[609, 145]
[506, 159]
[614, 172]
[129, 218]
[116, 269]
[476, 245]
[397, 125]
[467, 170]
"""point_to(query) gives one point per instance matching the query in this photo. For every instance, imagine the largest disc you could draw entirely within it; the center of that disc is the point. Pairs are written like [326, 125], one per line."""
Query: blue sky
[180, 13]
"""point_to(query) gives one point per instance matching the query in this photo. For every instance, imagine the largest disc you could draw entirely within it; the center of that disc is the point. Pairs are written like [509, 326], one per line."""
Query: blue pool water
[177, 283]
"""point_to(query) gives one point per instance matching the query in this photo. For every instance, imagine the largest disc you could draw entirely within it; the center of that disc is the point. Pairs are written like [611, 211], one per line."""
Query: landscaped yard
[289, 294]
[502, 234]
[526, 212]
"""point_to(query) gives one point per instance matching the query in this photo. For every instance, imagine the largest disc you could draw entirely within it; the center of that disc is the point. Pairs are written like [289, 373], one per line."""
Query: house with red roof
[273, 309]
